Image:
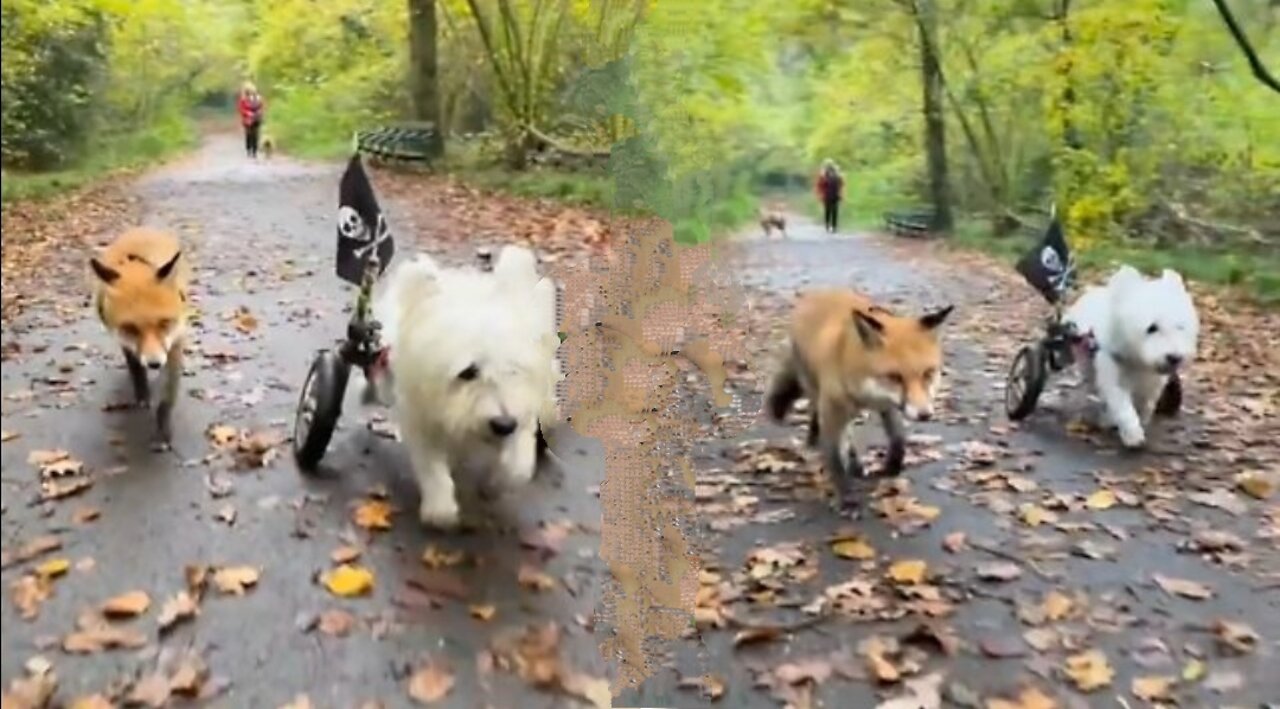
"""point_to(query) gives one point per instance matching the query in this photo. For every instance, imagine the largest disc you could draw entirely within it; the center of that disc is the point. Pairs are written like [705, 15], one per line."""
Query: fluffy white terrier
[473, 371]
[1145, 329]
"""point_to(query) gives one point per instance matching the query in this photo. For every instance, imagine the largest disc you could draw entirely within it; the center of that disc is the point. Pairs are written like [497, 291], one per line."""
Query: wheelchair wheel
[1170, 401]
[1025, 381]
[319, 407]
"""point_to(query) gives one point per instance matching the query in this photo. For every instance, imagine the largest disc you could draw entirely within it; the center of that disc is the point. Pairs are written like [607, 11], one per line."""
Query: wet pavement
[261, 237]
[1010, 562]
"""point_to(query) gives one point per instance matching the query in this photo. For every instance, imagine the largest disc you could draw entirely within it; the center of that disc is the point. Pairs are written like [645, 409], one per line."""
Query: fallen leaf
[921, 693]
[999, 571]
[1089, 670]
[41, 458]
[853, 549]
[93, 701]
[28, 592]
[434, 558]
[1236, 636]
[1028, 698]
[336, 622]
[85, 515]
[178, 608]
[1101, 500]
[221, 435]
[35, 690]
[1222, 499]
[1153, 688]
[1193, 670]
[875, 649]
[373, 514]
[1183, 587]
[235, 579]
[1256, 484]
[53, 568]
[226, 514]
[911, 571]
[96, 635]
[6, 436]
[347, 580]
[430, 683]
[534, 579]
[127, 605]
[711, 686]
[1056, 606]
[1035, 515]
[36, 547]
[751, 636]
[190, 675]
[955, 542]
[344, 555]
[300, 701]
[483, 612]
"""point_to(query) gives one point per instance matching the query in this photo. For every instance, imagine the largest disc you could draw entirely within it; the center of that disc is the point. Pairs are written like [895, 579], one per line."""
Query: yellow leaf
[53, 568]
[1153, 688]
[911, 571]
[234, 579]
[1029, 698]
[484, 612]
[348, 580]
[1035, 515]
[1256, 485]
[853, 549]
[1101, 500]
[373, 514]
[1193, 671]
[1089, 670]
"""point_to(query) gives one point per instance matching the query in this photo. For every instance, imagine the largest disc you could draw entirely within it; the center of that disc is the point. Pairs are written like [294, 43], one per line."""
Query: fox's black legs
[896, 433]
[172, 381]
[138, 376]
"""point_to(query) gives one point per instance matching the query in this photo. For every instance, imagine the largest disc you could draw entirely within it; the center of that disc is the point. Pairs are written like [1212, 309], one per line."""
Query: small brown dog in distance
[772, 219]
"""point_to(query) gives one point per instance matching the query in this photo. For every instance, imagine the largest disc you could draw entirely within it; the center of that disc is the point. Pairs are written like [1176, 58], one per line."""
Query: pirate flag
[362, 231]
[1047, 266]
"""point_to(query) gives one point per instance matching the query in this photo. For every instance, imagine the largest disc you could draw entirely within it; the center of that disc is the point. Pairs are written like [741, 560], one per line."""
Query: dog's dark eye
[469, 373]
[1153, 329]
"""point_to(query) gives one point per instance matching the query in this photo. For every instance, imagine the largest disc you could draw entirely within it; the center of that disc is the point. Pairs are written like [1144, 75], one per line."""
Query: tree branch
[1255, 63]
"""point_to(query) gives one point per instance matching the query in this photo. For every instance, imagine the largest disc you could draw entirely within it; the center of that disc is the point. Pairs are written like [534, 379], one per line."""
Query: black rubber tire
[321, 397]
[1170, 401]
[1025, 381]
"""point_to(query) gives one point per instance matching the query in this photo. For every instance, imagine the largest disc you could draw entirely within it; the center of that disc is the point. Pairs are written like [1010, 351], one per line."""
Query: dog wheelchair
[1050, 269]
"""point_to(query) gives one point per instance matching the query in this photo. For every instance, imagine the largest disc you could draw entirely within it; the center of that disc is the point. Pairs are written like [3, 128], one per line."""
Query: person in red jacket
[830, 189]
[251, 107]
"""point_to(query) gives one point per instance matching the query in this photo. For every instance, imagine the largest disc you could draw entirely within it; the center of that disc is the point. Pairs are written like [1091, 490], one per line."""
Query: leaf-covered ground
[217, 572]
[1011, 566]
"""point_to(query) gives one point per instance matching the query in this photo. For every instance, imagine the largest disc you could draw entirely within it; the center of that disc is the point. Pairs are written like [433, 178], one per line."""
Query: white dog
[1144, 329]
[473, 371]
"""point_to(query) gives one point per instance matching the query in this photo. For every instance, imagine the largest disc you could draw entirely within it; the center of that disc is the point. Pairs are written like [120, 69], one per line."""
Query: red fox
[140, 291]
[847, 354]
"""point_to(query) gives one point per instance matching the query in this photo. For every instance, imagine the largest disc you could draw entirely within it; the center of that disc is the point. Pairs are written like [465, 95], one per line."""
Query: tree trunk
[935, 127]
[424, 80]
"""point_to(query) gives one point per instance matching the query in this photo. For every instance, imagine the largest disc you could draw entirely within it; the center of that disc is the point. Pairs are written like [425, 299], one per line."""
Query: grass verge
[111, 155]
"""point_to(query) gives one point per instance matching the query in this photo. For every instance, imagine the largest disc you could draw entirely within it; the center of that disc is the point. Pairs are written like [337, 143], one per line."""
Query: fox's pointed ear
[930, 321]
[166, 270]
[870, 330]
[105, 272]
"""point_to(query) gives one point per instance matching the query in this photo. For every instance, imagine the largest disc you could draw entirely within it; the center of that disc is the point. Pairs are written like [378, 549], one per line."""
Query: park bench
[913, 223]
[397, 143]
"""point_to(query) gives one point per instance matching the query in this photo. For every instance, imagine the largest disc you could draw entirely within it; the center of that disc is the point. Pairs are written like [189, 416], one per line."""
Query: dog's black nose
[1173, 360]
[502, 425]
[153, 364]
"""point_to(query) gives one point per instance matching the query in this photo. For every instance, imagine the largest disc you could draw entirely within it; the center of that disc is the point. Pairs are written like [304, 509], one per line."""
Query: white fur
[438, 323]
[1133, 363]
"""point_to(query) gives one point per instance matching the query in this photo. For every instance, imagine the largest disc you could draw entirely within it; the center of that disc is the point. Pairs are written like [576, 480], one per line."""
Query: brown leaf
[93, 701]
[127, 605]
[41, 458]
[875, 650]
[750, 636]
[96, 635]
[1183, 587]
[344, 555]
[1089, 670]
[434, 558]
[854, 548]
[593, 689]
[190, 675]
[1256, 484]
[1236, 636]
[28, 593]
[430, 683]
[35, 690]
[483, 612]
[234, 580]
[1028, 698]
[1056, 606]
[336, 622]
[178, 608]
[36, 547]
[85, 515]
[955, 542]
[711, 686]
[921, 693]
[534, 579]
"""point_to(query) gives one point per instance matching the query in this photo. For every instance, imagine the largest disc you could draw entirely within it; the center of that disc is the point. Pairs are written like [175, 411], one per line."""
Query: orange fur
[848, 355]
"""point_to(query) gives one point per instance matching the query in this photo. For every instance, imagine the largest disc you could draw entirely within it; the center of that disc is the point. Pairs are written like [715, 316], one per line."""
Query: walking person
[251, 107]
[830, 188]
